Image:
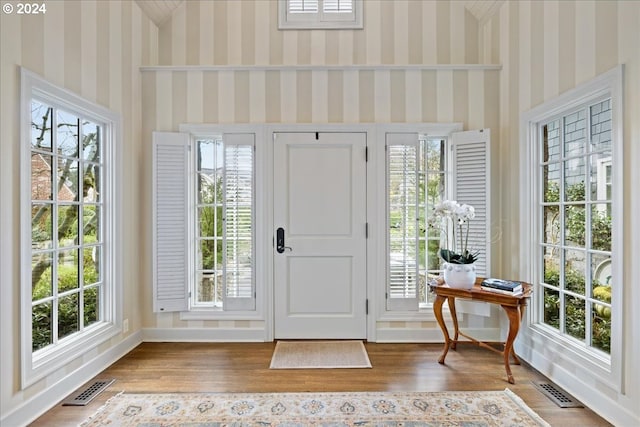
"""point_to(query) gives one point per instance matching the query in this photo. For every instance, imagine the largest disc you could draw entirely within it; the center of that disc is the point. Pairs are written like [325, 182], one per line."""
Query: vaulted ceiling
[160, 11]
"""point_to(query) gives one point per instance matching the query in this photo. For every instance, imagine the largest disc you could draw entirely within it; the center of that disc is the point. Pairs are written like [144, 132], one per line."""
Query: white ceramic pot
[461, 276]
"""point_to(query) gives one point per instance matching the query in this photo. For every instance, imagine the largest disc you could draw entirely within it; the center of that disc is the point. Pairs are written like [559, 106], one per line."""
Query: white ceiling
[483, 10]
[159, 11]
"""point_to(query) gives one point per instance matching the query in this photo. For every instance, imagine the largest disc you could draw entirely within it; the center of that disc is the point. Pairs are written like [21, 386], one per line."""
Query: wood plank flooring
[244, 367]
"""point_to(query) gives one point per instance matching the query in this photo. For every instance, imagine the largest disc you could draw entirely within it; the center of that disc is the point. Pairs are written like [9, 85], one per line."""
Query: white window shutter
[471, 174]
[170, 221]
[239, 277]
[402, 207]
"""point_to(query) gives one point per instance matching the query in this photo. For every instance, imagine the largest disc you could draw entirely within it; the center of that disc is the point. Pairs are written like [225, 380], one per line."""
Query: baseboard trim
[203, 335]
[37, 405]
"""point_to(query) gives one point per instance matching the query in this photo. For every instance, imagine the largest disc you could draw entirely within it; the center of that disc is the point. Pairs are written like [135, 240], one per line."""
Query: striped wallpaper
[224, 32]
[546, 48]
[92, 48]
[345, 95]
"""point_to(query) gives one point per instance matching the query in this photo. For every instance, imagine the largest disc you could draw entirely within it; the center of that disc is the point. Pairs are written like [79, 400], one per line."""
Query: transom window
[320, 14]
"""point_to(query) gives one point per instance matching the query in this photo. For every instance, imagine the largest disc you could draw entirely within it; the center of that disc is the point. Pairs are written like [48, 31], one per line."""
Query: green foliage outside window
[574, 279]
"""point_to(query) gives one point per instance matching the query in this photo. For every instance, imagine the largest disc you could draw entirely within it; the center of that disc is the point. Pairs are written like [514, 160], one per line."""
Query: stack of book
[501, 286]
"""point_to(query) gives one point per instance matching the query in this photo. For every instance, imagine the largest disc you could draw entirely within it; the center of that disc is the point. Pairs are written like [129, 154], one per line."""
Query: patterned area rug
[469, 409]
[319, 355]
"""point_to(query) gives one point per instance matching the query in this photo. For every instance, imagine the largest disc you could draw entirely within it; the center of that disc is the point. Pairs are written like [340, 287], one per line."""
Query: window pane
[601, 226]
[41, 278]
[68, 315]
[575, 134]
[67, 180]
[41, 227]
[551, 141]
[41, 117]
[97, 177]
[574, 222]
[551, 266]
[551, 183]
[207, 221]
[68, 272]
[552, 308]
[91, 223]
[574, 268]
[551, 216]
[91, 142]
[41, 325]
[601, 176]
[601, 327]
[91, 265]
[41, 177]
[67, 135]
[90, 189]
[336, 6]
[574, 181]
[67, 225]
[209, 287]
[91, 305]
[208, 254]
[574, 316]
[601, 125]
[302, 6]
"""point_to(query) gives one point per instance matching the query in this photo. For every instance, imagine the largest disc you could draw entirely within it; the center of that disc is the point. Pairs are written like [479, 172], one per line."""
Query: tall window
[69, 202]
[321, 14]
[575, 170]
[416, 172]
[224, 231]
[571, 227]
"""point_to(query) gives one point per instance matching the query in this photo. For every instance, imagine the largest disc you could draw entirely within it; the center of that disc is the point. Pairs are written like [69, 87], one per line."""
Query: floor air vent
[557, 395]
[87, 395]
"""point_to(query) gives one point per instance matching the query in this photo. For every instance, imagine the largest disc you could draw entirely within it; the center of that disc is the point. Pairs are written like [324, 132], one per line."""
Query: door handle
[280, 247]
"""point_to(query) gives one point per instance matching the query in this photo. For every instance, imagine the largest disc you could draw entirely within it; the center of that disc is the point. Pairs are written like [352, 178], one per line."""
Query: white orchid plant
[451, 213]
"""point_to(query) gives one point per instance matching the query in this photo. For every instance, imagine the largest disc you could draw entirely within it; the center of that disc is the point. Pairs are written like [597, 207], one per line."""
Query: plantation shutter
[324, 14]
[170, 221]
[239, 280]
[471, 167]
[402, 221]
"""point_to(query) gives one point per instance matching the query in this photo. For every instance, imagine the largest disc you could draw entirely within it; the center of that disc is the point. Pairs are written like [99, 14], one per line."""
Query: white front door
[320, 235]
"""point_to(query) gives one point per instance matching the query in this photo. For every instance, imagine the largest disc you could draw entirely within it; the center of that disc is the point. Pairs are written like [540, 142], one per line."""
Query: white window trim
[51, 359]
[318, 21]
[605, 369]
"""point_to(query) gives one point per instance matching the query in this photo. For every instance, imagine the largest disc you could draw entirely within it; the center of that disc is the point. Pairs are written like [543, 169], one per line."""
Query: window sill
[217, 314]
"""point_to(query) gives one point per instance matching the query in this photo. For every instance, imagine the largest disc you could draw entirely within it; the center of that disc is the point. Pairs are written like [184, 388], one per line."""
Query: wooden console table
[514, 306]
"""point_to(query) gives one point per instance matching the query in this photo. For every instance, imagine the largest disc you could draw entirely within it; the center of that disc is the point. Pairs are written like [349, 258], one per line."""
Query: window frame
[36, 365]
[319, 20]
[607, 368]
[260, 264]
[445, 131]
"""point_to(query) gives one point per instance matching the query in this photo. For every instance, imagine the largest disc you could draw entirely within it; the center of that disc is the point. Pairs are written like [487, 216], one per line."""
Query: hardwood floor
[244, 367]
